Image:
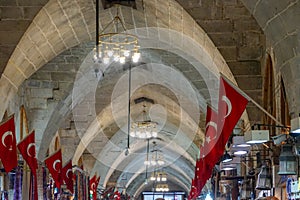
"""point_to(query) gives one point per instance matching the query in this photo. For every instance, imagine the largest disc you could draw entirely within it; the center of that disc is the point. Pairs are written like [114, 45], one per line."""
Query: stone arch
[58, 27]
[279, 21]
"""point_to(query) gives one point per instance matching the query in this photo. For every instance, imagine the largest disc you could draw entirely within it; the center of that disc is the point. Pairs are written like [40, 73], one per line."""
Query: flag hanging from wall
[54, 165]
[8, 147]
[67, 176]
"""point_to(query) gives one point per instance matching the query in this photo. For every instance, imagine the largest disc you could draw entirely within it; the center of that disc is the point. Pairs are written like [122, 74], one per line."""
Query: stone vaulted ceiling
[46, 64]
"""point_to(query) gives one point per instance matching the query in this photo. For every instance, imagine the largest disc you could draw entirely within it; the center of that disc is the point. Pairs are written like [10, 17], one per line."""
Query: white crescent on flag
[213, 124]
[54, 164]
[93, 186]
[67, 173]
[229, 106]
[7, 133]
[28, 149]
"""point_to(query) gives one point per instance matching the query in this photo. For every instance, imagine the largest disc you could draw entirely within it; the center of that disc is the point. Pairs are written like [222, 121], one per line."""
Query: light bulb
[153, 162]
[138, 133]
[154, 134]
[122, 60]
[136, 56]
[110, 53]
[146, 162]
[132, 134]
[106, 60]
[148, 134]
[116, 58]
[160, 162]
[126, 53]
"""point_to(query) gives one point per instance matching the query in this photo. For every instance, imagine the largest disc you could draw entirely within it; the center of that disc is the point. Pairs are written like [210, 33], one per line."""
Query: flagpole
[250, 99]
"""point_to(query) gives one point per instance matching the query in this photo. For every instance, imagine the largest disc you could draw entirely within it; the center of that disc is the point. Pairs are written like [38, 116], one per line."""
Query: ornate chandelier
[113, 44]
[144, 129]
[157, 158]
[162, 188]
[158, 176]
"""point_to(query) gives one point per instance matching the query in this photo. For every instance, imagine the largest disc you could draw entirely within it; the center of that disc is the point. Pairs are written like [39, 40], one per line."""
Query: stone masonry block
[10, 37]
[32, 2]
[251, 38]
[249, 83]
[30, 12]
[291, 18]
[246, 25]
[245, 67]
[224, 39]
[201, 13]
[12, 12]
[14, 25]
[37, 103]
[249, 53]
[41, 93]
[286, 49]
[216, 26]
[275, 30]
[31, 83]
[229, 53]
[236, 12]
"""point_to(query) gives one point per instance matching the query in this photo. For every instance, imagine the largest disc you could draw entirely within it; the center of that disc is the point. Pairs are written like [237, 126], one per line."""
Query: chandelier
[157, 158]
[162, 188]
[158, 176]
[113, 44]
[144, 129]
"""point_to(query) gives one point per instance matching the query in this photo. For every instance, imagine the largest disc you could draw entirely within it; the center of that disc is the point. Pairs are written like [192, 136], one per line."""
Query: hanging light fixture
[158, 176]
[113, 44]
[157, 158]
[226, 157]
[145, 128]
[295, 125]
[264, 179]
[287, 161]
[162, 188]
[256, 136]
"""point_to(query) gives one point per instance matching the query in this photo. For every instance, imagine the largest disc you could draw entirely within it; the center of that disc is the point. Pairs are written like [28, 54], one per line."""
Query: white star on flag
[208, 139]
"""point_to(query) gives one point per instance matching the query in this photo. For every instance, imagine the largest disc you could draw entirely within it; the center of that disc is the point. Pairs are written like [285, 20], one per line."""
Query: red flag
[27, 150]
[198, 179]
[94, 181]
[211, 136]
[67, 176]
[193, 191]
[117, 195]
[208, 158]
[8, 146]
[53, 163]
[97, 181]
[230, 108]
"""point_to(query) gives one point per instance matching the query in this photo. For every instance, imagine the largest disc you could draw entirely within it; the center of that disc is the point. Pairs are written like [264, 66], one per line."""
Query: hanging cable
[128, 119]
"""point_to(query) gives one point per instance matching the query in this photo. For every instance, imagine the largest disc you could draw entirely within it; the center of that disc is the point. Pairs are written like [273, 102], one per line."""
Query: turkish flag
[8, 146]
[211, 134]
[54, 165]
[117, 195]
[230, 108]
[67, 176]
[94, 181]
[208, 151]
[27, 150]
[193, 192]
